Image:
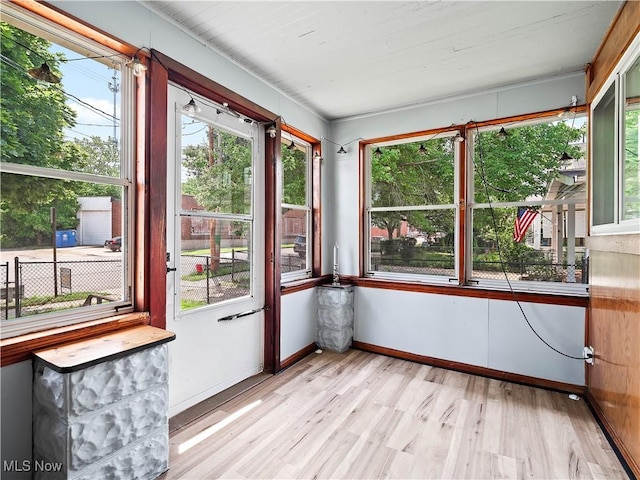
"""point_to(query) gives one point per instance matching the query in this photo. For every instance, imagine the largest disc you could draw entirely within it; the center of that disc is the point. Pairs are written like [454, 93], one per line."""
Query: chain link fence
[292, 262]
[205, 282]
[41, 287]
[399, 257]
[4, 291]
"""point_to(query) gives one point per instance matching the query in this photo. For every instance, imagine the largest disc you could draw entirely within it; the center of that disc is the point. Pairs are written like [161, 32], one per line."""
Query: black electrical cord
[502, 265]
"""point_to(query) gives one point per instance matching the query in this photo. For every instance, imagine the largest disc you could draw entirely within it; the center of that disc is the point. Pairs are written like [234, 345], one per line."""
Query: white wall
[15, 407]
[342, 170]
[468, 330]
[476, 331]
[297, 322]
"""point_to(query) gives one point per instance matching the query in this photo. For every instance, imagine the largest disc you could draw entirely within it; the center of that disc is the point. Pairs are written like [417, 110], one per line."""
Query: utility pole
[115, 88]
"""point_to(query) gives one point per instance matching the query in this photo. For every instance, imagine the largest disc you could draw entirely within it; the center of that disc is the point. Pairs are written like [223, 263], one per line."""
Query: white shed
[94, 226]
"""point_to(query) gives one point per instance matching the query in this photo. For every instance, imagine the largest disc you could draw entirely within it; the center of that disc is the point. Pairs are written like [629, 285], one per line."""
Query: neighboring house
[293, 223]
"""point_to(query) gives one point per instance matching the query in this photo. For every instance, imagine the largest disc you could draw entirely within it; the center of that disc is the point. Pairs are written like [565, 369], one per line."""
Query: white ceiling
[346, 58]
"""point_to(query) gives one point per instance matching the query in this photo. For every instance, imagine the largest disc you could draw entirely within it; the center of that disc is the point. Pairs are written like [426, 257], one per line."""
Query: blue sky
[89, 81]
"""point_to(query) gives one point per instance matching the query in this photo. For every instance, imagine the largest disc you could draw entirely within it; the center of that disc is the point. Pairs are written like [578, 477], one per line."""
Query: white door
[215, 242]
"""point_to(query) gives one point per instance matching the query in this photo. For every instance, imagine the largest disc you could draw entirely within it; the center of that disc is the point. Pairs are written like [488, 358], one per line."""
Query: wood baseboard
[296, 357]
[473, 369]
[198, 410]
[627, 460]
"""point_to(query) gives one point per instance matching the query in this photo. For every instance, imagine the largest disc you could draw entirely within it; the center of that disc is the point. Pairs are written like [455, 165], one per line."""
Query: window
[615, 145]
[527, 205]
[411, 210]
[296, 238]
[214, 233]
[525, 176]
[67, 144]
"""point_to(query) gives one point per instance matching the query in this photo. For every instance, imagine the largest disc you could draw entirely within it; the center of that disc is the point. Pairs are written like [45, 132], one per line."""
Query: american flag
[523, 220]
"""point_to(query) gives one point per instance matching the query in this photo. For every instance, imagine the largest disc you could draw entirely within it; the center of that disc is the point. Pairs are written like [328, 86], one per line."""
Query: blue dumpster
[66, 238]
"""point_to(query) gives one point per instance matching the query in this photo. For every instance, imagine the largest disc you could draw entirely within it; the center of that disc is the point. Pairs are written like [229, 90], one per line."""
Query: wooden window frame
[316, 213]
[462, 288]
[19, 348]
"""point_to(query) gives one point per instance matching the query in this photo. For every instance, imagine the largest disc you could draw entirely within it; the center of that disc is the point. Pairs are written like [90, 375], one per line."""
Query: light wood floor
[364, 416]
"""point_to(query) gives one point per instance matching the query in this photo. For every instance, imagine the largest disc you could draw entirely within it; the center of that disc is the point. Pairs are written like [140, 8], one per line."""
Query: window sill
[20, 348]
[305, 284]
[470, 291]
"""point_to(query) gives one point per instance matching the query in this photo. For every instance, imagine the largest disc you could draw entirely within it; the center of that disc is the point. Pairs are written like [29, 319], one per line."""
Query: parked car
[114, 244]
[300, 246]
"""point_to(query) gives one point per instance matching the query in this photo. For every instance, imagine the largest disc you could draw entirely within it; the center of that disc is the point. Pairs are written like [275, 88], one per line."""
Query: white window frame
[307, 208]
[67, 38]
[421, 278]
[253, 133]
[616, 78]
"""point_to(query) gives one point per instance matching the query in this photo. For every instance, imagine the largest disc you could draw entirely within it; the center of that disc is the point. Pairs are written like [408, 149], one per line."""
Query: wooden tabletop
[85, 353]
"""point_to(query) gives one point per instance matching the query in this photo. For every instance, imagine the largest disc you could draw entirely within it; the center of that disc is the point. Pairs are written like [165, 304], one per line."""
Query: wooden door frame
[162, 70]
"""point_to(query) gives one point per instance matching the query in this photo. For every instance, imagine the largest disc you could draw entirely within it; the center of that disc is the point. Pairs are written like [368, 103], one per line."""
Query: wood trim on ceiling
[201, 85]
[65, 20]
[623, 29]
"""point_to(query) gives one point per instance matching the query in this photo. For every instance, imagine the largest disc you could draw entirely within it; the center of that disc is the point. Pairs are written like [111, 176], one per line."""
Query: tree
[506, 169]
[219, 177]
[515, 168]
[33, 116]
[406, 175]
[522, 164]
[294, 186]
[631, 165]
[97, 156]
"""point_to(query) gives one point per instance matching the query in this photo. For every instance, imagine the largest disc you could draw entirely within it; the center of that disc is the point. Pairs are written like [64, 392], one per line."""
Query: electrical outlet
[588, 354]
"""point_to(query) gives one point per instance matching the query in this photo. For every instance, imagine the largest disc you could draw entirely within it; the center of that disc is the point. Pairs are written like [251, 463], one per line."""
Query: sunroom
[187, 187]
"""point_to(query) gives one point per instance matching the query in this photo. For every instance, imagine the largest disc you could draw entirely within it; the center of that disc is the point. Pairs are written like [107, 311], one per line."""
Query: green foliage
[33, 114]
[522, 164]
[219, 172]
[22, 226]
[631, 174]
[294, 172]
[403, 175]
[223, 269]
[186, 304]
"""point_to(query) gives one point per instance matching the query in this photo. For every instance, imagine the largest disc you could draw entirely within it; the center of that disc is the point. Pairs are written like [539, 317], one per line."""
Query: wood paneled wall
[614, 332]
[614, 311]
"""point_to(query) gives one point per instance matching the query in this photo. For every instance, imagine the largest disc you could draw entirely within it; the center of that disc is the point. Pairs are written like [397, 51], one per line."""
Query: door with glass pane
[215, 241]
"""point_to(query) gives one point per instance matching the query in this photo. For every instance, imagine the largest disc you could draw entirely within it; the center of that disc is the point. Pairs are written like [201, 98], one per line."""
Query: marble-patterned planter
[335, 317]
[109, 420]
